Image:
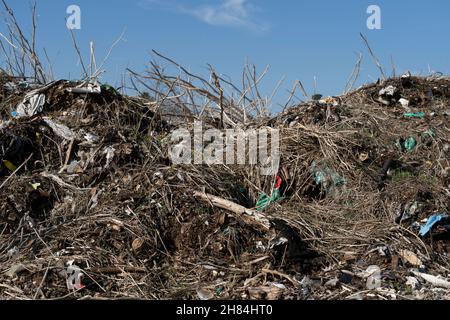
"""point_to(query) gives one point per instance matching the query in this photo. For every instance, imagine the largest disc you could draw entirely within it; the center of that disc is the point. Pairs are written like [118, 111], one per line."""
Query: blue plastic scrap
[432, 221]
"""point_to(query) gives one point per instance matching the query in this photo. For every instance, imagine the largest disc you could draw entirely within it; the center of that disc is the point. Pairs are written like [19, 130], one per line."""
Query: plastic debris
[205, 295]
[404, 103]
[373, 277]
[9, 165]
[31, 106]
[332, 283]
[35, 186]
[384, 251]
[15, 270]
[415, 115]
[110, 153]
[430, 133]
[408, 212]
[329, 101]
[74, 275]
[388, 91]
[406, 80]
[91, 88]
[74, 167]
[410, 257]
[34, 101]
[107, 88]
[408, 144]
[432, 221]
[435, 281]
[277, 242]
[144, 193]
[91, 138]
[264, 200]
[326, 178]
[4, 124]
[412, 282]
[60, 129]
[23, 85]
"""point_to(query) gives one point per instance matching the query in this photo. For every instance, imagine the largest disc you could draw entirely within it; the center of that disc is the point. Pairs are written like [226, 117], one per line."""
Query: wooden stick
[118, 270]
[15, 171]
[68, 154]
[249, 216]
[377, 62]
[280, 274]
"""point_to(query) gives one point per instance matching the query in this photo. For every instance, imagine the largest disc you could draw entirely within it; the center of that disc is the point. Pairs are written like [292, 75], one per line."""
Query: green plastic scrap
[264, 200]
[24, 85]
[415, 115]
[107, 87]
[429, 133]
[410, 144]
[324, 176]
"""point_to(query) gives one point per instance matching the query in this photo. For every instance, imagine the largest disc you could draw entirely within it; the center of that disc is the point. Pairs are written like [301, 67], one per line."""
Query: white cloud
[225, 13]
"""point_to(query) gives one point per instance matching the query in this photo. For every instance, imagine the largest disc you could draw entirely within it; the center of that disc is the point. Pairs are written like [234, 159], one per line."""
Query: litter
[410, 257]
[100, 188]
[60, 129]
[388, 91]
[435, 281]
[415, 115]
[74, 276]
[34, 101]
[408, 144]
[406, 80]
[10, 166]
[264, 200]
[329, 101]
[74, 167]
[31, 106]
[430, 133]
[373, 274]
[332, 283]
[110, 153]
[108, 88]
[326, 178]
[278, 242]
[15, 270]
[35, 186]
[408, 212]
[23, 85]
[91, 88]
[412, 282]
[91, 138]
[205, 295]
[431, 223]
[404, 103]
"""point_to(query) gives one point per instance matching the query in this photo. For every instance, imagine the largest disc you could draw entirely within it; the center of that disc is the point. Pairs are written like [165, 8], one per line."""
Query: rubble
[91, 205]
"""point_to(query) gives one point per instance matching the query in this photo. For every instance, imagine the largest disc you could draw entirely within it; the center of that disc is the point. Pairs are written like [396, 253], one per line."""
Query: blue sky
[298, 39]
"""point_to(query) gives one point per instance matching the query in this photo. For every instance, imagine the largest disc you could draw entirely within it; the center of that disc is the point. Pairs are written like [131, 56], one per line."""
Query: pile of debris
[91, 205]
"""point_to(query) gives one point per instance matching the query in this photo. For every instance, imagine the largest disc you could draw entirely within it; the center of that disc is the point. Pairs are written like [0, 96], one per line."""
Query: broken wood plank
[249, 216]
